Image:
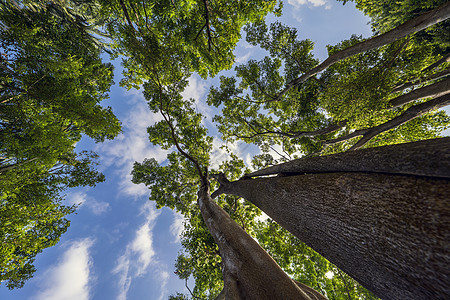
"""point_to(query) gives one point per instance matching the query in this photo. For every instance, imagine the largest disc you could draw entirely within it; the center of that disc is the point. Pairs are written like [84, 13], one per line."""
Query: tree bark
[409, 84]
[419, 23]
[424, 158]
[409, 114]
[389, 232]
[434, 90]
[248, 271]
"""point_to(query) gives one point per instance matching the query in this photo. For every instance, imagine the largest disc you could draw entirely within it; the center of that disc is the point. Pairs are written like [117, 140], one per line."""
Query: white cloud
[133, 145]
[177, 226]
[139, 253]
[83, 200]
[298, 3]
[196, 88]
[243, 58]
[70, 278]
[164, 277]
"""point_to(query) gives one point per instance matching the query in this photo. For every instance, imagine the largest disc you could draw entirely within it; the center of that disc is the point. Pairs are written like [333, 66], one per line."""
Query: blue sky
[118, 245]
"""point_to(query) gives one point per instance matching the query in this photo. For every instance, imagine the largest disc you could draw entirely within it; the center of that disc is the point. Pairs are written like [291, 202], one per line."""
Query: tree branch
[410, 114]
[127, 16]
[419, 23]
[208, 26]
[433, 90]
[409, 84]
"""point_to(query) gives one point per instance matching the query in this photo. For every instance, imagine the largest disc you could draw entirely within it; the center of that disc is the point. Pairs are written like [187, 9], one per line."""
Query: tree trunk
[433, 90]
[389, 232]
[248, 271]
[425, 158]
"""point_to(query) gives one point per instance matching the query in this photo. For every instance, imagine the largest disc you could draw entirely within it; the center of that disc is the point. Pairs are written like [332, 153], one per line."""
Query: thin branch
[207, 24]
[446, 58]
[433, 90]
[185, 283]
[295, 134]
[345, 283]
[127, 16]
[200, 31]
[185, 154]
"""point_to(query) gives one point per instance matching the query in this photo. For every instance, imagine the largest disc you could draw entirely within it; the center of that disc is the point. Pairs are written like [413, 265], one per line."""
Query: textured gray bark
[417, 82]
[248, 271]
[433, 90]
[425, 158]
[389, 232]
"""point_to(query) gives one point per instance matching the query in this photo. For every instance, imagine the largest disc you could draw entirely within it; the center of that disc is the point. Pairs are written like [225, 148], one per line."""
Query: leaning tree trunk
[388, 231]
[248, 271]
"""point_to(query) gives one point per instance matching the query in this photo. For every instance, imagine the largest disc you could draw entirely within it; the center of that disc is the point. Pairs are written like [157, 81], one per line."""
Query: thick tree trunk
[389, 231]
[425, 158]
[248, 271]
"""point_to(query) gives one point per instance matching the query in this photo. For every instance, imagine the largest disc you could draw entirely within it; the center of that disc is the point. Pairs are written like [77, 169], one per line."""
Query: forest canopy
[370, 92]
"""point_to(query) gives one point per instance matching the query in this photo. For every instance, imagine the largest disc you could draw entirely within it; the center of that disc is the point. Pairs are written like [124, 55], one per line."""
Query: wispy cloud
[243, 58]
[139, 253]
[70, 277]
[164, 278]
[133, 145]
[83, 200]
[177, 226]
[298, 3]
[196, 88]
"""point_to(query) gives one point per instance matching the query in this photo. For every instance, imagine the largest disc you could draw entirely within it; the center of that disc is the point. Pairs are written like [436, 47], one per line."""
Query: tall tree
[52, 81]
[248, 271]
[367, 212]
[380, 78]
[270, 92]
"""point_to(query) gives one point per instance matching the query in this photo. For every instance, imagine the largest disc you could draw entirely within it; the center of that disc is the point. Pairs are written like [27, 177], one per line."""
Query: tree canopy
[388, 86]
[369, 92]
[52, 81]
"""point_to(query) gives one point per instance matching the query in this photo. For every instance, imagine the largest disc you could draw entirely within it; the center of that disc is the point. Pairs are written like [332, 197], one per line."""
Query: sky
[119, 246]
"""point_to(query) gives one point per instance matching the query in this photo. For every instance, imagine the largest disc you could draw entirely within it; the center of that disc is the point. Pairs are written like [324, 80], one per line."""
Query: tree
[247, 270]
[52, 81]
[182, 36]
[173, 184]
[377, 77]
[367, 212]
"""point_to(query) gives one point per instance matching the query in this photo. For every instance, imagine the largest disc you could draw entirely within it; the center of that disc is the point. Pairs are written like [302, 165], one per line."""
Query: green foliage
[32, 220]
[316, 111]
[353, 94]
[52, 81]
[181, 36]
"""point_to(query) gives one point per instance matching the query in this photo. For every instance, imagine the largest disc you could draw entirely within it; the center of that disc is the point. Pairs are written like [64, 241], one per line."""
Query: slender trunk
[434, 90]
[409, 84]
[389, 232]
[424, 158]
[248, 271]
[13, 166]
[419, 23]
